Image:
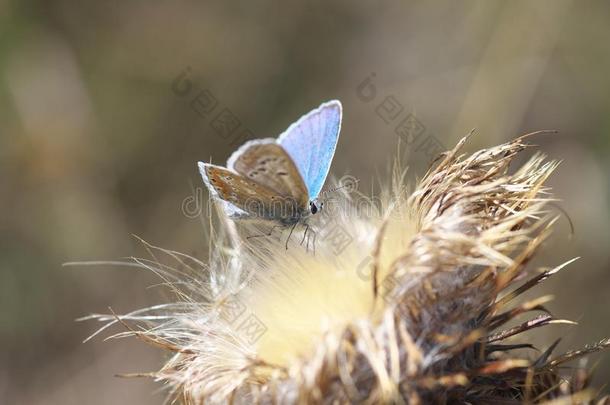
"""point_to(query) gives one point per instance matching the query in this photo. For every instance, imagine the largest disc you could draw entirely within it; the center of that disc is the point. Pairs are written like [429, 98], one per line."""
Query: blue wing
[311, 143]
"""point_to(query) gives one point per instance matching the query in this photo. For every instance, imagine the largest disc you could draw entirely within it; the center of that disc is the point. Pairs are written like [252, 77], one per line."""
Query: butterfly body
[279, 179]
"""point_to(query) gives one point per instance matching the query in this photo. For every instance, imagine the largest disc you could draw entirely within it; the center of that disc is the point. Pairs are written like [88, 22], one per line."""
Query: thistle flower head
[405, 299]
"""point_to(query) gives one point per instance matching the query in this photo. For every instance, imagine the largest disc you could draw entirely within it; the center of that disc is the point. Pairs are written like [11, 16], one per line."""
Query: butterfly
[279, 180]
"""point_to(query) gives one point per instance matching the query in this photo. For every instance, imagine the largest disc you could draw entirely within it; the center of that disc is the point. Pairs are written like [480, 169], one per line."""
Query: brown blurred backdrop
[96, 144]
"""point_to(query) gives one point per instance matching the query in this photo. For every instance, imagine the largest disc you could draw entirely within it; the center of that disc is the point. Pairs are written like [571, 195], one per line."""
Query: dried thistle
[413, 310]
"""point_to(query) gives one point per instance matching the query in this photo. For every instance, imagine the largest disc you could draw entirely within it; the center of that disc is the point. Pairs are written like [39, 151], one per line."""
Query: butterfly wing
[244, 198]
[311, 143]
[230, 209]
[268, 164]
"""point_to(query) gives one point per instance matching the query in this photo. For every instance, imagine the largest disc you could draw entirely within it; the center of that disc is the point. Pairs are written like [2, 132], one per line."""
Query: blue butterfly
[279, 179]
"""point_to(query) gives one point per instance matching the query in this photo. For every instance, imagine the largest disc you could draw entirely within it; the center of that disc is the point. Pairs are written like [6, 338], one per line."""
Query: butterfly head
[315, 206]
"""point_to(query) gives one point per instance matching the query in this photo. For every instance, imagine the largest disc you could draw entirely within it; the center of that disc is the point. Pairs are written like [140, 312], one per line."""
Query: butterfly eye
[312, 207]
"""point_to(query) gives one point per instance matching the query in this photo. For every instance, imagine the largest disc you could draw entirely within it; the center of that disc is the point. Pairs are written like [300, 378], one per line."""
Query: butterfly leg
[312, 236]
[264, 234]
[305, 234]
[290, 234]
[309, 234]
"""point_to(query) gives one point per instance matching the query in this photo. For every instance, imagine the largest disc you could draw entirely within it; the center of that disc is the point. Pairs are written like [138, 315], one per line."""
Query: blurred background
[106, 106]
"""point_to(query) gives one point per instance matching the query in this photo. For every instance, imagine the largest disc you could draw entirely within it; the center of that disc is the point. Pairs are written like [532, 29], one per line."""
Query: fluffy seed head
[402, 297]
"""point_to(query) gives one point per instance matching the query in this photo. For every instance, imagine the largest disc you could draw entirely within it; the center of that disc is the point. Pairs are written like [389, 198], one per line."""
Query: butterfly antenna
[332, 190]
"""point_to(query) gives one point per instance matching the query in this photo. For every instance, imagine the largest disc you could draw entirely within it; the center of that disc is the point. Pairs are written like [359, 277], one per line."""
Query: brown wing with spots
[269, 165]
[253, 198]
